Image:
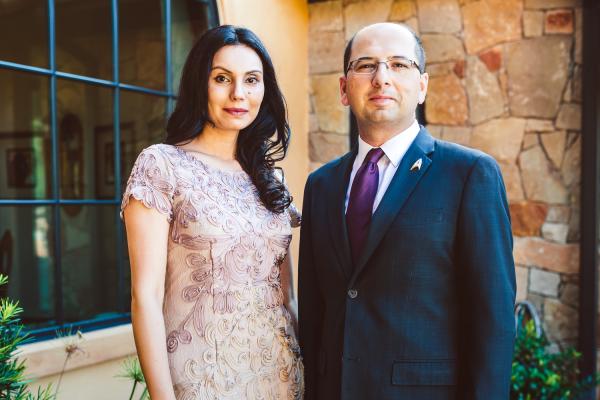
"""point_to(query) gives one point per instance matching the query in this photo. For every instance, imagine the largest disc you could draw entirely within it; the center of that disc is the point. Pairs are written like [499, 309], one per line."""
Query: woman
[208, 226]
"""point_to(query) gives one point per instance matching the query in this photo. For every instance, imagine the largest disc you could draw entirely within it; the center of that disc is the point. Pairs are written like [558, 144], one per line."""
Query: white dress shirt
[394, 149]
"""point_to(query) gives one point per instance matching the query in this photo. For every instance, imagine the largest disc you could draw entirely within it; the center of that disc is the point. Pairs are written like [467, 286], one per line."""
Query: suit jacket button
[352, 293]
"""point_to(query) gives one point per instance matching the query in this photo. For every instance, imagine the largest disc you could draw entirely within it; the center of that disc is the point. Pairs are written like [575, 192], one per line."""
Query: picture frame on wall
[20, 167]
[105, 157]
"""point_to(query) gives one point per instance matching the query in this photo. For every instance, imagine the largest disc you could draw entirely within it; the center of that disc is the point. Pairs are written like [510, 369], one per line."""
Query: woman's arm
[287, 285]
[147, 236]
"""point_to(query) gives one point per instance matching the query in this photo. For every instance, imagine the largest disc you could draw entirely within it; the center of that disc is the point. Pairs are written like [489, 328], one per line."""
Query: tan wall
[283, 27]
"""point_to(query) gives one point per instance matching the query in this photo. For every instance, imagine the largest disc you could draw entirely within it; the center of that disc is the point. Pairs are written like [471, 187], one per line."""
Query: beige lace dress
[229, 335]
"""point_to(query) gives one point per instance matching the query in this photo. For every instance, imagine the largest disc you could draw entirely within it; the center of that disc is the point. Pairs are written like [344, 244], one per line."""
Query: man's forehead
[384, 41]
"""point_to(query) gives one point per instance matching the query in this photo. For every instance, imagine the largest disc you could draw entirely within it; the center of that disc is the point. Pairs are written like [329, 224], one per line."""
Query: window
[84, 87]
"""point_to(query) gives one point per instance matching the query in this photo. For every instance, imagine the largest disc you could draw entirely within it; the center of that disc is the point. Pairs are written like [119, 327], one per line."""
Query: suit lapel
[336, 212]
[403, 183]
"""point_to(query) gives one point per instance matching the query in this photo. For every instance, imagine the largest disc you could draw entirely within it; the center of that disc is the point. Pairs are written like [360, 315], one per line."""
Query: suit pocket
[424, 373]
[421, 217]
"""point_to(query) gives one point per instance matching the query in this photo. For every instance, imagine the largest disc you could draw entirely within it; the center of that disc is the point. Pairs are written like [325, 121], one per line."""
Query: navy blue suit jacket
[427, 311]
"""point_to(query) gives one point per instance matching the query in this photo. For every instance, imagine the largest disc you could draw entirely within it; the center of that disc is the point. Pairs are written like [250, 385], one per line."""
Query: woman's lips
[237, 112]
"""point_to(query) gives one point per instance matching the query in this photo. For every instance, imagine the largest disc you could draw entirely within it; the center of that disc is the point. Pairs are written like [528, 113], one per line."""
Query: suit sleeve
[487, 285]
[310, 304]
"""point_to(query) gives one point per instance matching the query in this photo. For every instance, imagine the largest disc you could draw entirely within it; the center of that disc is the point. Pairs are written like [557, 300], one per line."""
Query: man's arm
[486, 285]
[310, 304]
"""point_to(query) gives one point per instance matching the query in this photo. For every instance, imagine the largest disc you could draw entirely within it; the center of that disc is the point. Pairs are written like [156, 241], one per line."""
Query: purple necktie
[360, 204]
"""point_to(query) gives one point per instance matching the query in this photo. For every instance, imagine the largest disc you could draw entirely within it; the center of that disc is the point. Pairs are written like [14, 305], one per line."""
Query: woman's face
[235, 87]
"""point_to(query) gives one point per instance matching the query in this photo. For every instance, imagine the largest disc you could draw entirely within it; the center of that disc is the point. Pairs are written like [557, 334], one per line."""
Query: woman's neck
[215, 142]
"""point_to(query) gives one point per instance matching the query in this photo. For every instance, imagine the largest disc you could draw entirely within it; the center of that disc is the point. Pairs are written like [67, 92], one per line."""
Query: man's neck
[377, 134]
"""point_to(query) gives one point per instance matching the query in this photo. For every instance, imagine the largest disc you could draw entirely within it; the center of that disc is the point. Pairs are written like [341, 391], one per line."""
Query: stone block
[539, 125]
[512, 181]
[533, 23]
[457, 134]
[554, 146]
[561, 320]
[558, 214]
[325, 147]
[555, 232]
[441, 69]
[331, 114]
[325, 16]
[569, 117]
[403, 10]
[492, 59]
[544, 282]
[569, 294]
[539, 181]
[439, 16]
[534, 89]
[326, 52]
[459, 68]
[559, 21]
[530, 140]
[527, 217]
[571, 166]
[358, 15]
[578, 35]
[522, 277]
[485, 96]
[501, 138]
[313, 123]
[576, 89]
[435, 130]
[446, 101]
[536, 252]
[442, 47]
[487, 23]
[548, 4]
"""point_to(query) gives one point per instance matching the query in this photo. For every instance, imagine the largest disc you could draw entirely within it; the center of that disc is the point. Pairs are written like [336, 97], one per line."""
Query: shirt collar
[395, 147]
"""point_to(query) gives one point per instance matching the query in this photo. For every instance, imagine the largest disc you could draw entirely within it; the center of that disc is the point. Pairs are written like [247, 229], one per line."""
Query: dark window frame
[54, 201]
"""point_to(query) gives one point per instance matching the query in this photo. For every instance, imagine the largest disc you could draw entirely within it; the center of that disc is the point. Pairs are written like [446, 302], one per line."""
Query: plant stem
[133, 390]
[144, 393]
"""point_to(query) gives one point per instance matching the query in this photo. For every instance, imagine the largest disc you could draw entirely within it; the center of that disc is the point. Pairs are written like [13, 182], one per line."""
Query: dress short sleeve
[151, 182]
[294, 215]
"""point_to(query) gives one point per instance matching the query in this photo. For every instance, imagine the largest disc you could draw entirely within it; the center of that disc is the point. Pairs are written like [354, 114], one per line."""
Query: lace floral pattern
[229, 335]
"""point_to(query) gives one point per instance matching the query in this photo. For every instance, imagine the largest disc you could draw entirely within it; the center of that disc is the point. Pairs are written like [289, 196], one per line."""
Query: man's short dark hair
[419, 51]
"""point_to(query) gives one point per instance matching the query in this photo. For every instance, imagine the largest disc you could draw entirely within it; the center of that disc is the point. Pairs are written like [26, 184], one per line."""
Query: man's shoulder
[461, 155]
[330, 169]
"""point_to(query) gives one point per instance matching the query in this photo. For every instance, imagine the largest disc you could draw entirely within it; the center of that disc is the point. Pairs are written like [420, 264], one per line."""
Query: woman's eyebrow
[254, 71]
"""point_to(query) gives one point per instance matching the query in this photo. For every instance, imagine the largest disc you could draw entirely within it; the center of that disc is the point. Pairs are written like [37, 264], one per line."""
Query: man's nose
[381, 77]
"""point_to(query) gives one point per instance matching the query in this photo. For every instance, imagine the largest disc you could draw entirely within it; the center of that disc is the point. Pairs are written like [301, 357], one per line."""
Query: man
[406, 275]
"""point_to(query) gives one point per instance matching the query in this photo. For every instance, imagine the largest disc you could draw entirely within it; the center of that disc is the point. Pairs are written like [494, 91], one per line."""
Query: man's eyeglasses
[369, 65]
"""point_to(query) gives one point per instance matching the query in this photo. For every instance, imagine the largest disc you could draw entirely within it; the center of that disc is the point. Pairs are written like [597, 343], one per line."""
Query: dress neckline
[206, 165]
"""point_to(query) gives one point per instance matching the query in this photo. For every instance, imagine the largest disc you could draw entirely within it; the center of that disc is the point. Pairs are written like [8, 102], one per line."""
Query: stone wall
[505, 77]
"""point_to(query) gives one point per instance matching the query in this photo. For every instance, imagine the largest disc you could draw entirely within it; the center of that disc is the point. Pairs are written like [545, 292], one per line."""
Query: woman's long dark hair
[262, 143]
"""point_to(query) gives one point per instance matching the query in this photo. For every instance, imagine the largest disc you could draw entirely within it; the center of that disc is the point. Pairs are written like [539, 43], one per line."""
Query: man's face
[384, 97]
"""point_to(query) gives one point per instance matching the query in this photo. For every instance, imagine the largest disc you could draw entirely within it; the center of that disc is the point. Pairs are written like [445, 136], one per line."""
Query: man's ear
[343, 95]
[423, 83]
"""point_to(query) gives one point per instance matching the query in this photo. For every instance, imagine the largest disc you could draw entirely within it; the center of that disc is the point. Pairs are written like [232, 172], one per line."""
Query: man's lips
[236, 111]
[381, 99]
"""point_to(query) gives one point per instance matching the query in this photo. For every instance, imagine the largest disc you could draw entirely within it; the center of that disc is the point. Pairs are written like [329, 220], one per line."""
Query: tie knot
[374, 155]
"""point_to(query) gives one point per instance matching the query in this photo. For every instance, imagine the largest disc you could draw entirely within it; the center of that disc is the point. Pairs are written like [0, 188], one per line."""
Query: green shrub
[13, 385]
[538, 374]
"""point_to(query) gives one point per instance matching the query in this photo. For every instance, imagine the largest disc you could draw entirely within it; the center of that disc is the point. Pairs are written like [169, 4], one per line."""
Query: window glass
[79, 24]
[26, 45]
[25, 145]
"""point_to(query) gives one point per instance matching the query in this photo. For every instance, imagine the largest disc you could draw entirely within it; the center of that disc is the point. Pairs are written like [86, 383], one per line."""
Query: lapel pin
[417, 165]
